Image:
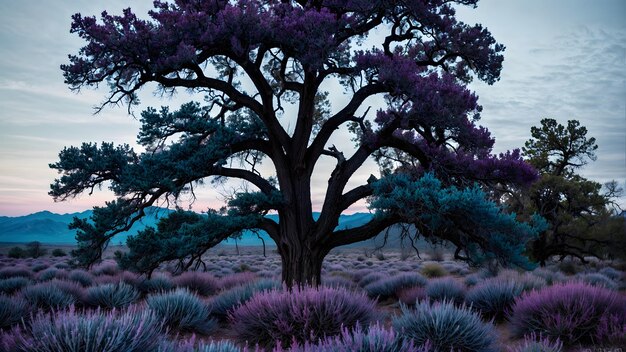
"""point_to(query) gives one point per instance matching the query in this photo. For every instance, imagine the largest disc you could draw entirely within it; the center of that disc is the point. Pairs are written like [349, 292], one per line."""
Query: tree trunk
[301, 264]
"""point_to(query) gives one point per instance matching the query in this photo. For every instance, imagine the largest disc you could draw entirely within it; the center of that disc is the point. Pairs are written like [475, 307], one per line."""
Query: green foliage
[576, 209]
[58, 252]
[17, 252]
[34, 249]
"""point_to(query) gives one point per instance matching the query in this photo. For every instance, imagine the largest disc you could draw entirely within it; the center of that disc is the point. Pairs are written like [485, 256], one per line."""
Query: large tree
[578, 211]
[266, 65]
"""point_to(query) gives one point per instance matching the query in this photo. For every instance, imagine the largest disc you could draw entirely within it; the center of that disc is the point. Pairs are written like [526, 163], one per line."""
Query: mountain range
[51, 228]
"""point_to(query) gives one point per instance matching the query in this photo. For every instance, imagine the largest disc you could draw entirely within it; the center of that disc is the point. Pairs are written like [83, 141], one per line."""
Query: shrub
[446, 327]
[533, 344]
[389, 287]
[182, 311]
[13, 284]
[70, 287]
[229, 299]
[203, 284]
[611, 273]
[39, 267]
[34, 249]
[572, 312]
[278, 317]
[410, 296]
[16, 271]
[371, 277]
[339, 281]
[12, 310]
[111, 295]
[82, 277]
[158, 283]
[551, 277]
[494, 297]
[374, 339]
[106, 268]
[190, 345]
[48, 274]
[58, 252]
[596, 279]
[48, 296]
[237, 279]
[432, 270]
[445, 289]
[17, 253]
[70, 331]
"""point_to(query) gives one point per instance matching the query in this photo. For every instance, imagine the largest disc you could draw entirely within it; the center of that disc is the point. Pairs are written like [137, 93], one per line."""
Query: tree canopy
[252, 59]
[576, 209]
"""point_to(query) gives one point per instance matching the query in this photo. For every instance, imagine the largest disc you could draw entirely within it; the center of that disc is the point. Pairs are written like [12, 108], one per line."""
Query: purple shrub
[339, 281]
[232, 280]
[446, 327]
[91, 331]
[12, 310]
[39, 267]
[389, 287]
[15, 271]
[371, 277]
[532, 343]
[409, 296]
[204, 284]
[302, 314]
[190, 345]
[182, 311]
[106, 268]
[445, 289]
[573, 312]
[374, 339]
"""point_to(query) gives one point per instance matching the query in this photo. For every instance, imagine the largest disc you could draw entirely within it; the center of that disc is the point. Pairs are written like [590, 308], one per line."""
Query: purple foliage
[572, 312]
[12, 310]
[375, 339]
[237, 279]
[134, 330]
[204, 284]
[15, 271]
[409, 296]
[532, 343]
[302, 314]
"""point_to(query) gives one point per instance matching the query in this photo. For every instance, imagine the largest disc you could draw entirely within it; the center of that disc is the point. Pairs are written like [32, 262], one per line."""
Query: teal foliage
[183, 236]
[12, 310]
[111, 296]
[466, 217]
[182, 310]
[446, 327]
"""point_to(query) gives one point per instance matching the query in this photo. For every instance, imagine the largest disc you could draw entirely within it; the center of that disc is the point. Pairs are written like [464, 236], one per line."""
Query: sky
[565, 59]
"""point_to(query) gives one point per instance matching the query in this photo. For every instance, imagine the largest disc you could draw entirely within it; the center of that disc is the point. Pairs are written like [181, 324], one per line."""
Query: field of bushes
[369, 301]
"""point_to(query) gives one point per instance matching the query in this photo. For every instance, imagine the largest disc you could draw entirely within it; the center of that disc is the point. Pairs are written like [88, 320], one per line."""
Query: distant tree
[17, 252]
[257, 61]
[58, 252]
[578, 211]
[35, 250]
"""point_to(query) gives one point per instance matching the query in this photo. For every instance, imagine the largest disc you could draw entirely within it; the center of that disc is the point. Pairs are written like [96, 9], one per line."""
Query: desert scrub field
[388, 301]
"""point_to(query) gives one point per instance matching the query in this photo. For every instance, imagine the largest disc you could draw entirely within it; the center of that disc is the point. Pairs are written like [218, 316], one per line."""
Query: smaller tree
[34, 249]
[577, 210]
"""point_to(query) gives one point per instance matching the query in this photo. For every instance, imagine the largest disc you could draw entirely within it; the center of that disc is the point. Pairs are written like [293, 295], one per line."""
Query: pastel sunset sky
[565, 59]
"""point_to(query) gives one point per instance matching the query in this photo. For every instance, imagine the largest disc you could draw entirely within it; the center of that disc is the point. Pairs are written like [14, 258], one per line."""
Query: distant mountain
[51, 228]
